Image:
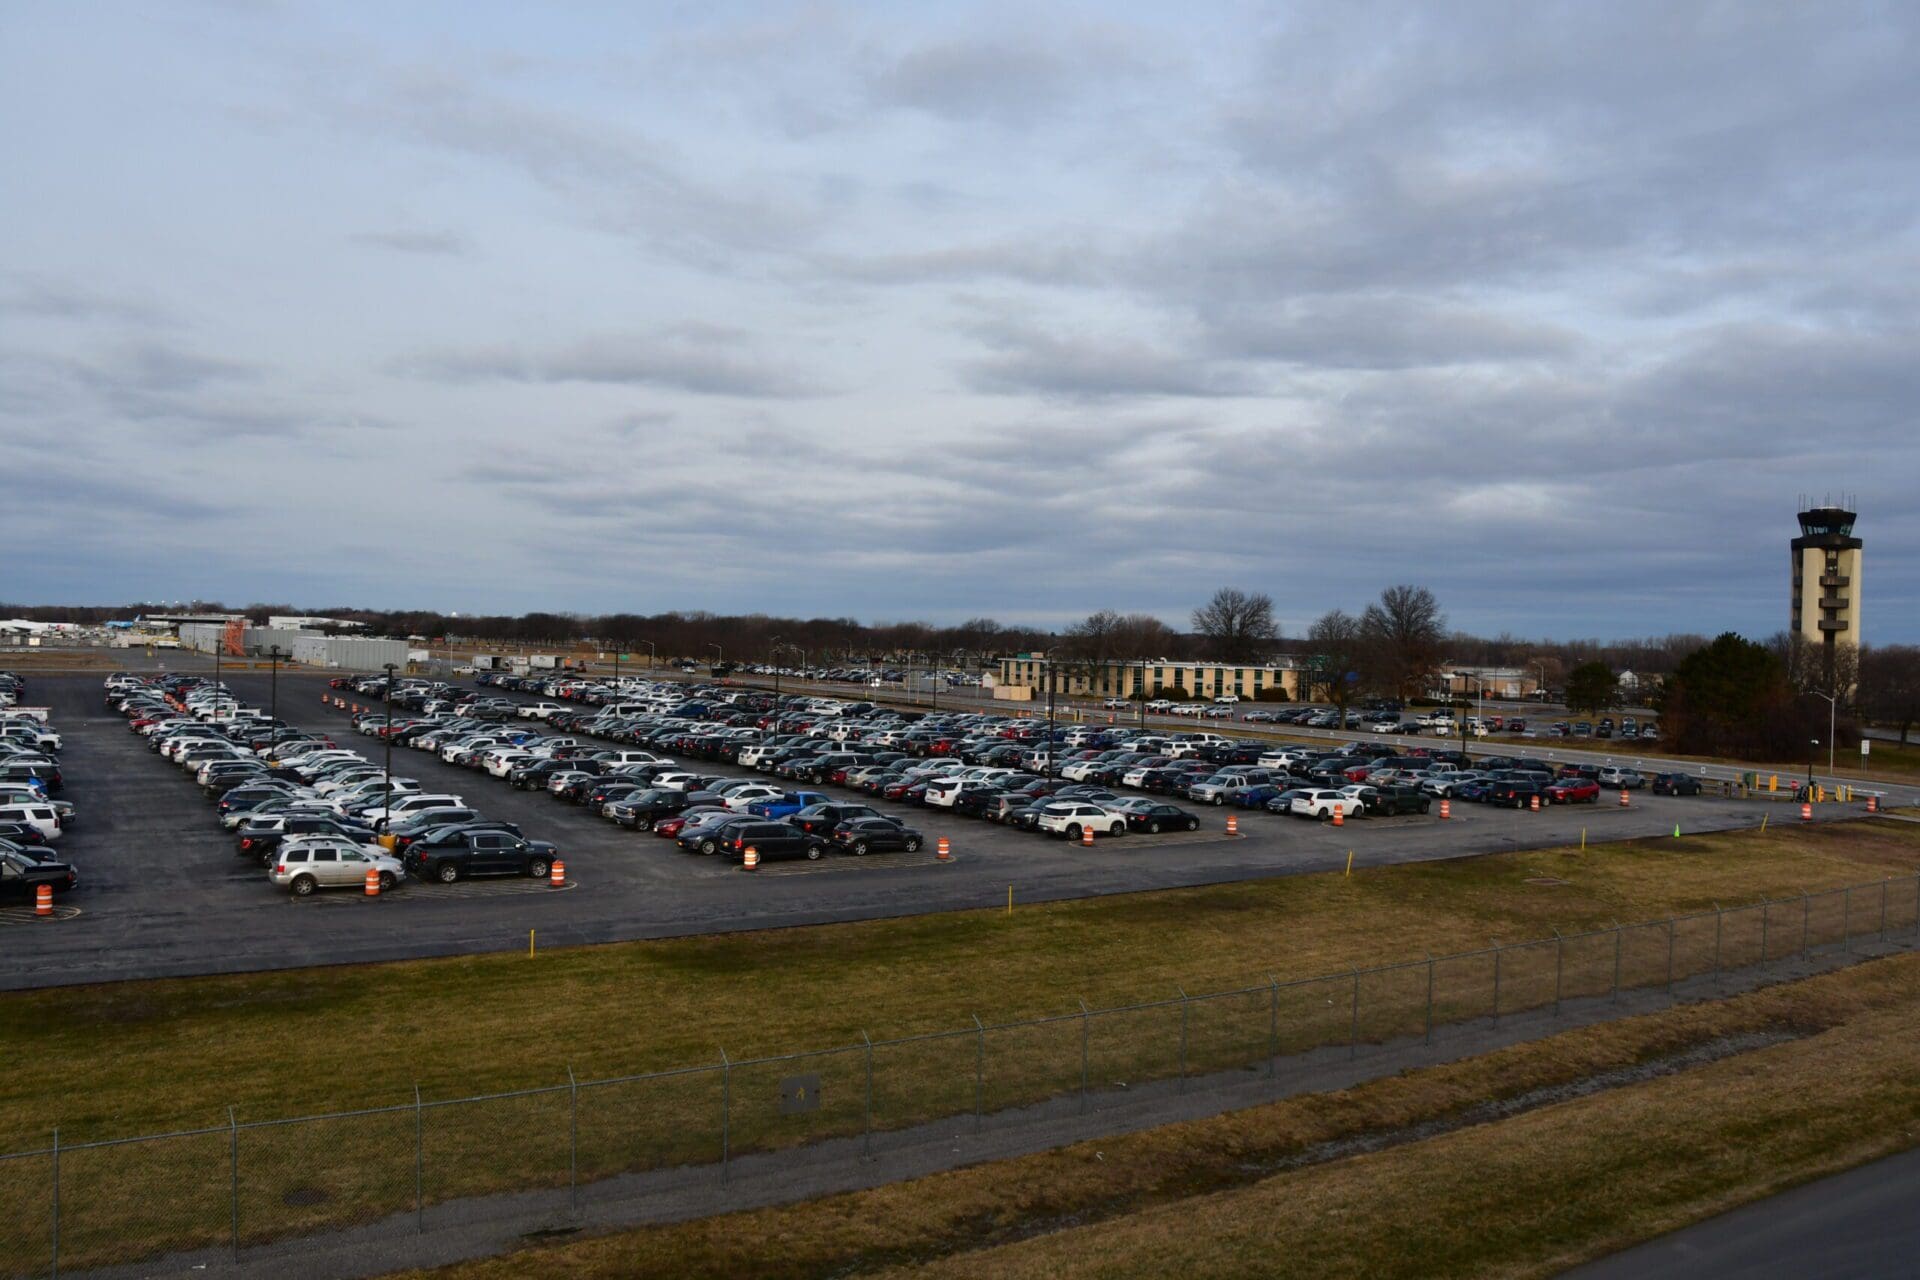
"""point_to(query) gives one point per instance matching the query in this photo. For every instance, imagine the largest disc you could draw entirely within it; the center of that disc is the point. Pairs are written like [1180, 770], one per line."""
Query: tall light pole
[652, 653]
[775, 715]
[387, 802]
[273, 703]
[1051, 683]
[719, 655]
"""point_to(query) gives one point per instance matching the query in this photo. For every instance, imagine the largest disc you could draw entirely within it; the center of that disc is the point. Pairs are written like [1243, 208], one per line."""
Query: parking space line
[440, 893]
[25, 915]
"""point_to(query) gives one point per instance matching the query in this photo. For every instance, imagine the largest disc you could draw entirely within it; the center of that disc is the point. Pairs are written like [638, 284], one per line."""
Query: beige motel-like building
[1024, 675]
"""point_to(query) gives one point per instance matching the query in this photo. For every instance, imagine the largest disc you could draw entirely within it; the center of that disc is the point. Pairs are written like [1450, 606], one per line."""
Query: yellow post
[1583, 839]
[1763, 820]
[529, 942]
[1349, 862]
[1009, 899]
[1773, 782]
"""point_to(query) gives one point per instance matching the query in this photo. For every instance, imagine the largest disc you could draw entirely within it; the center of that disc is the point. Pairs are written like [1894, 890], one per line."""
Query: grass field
[163, 1055]
[1525, 1196]
[326, 1039]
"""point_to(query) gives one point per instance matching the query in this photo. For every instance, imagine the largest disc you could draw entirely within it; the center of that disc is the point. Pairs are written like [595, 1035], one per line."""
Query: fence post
[1846, 921]
[726, 1114]
[1672, 929]
[1498, 952]
[1719, 921]
[1427, 1035]
[56, 1202]
[979, 1072]
[1273, 1026]
[866, 1138]
[233, 1179]
[419, 1161]
[1183, 1037]
[1353, 1031]
[573, 1141]
[1086, 1016]
[1559, 965]
[1616, 962]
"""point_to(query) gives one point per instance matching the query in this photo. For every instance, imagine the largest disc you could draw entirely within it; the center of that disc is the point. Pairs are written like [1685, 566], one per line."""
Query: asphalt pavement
[1860, 1225]
[163, 893]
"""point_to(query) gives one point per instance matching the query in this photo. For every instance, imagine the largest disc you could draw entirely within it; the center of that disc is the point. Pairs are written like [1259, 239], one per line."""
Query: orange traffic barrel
[557, 874]
[1446, 808]
[944, 851]
[751, 862]
[1806, 813]
[1086, 837]
[43, 900]
[1233, 824]
[373, 883]
[1626, 801]
[1533, 802]
[1340, 815]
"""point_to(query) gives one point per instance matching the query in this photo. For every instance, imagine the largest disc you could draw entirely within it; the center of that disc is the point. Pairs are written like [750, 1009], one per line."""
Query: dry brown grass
[1525, 1196]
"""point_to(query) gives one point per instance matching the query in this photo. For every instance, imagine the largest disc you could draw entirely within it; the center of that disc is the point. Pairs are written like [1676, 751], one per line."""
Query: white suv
[1070, 817]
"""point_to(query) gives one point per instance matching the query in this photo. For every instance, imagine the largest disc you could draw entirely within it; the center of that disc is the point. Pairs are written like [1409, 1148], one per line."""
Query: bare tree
[1404, 631]
[1811, 668]
[1890, 685]
[1336, 655]
[1236, 626]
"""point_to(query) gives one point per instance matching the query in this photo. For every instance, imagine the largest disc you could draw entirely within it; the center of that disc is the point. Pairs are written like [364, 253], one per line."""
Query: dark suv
[771, 840]
[480, 853]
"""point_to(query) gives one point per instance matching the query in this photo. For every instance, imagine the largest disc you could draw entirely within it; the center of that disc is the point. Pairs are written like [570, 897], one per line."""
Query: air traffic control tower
[1826, 579]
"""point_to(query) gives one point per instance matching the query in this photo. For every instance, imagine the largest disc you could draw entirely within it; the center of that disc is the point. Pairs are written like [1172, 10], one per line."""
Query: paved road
[1859, 1225]
[163, 893]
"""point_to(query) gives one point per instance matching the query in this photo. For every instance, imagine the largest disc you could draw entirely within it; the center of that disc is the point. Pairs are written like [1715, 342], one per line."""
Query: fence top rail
[1269, 987]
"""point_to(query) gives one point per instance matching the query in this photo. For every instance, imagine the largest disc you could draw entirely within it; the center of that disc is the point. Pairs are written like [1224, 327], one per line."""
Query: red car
[1574, 791]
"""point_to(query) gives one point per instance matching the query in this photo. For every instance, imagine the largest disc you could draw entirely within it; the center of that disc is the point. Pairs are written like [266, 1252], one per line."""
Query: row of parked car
[33, 815]
[314, 814]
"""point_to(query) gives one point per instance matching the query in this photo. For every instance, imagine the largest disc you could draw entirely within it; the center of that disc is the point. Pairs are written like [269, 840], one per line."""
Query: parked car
[1619, 777]
[1574, 790]
[330, 862]
[21, 875]
[1674, 784]
[772, 841]
[1322, 804]
[1392, 800]
[1070, 818]
[480, 853]
[1155, 818]
[875, 835]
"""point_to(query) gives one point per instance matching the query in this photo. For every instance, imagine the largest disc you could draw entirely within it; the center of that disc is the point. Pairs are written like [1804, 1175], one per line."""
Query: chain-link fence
[244, 1182]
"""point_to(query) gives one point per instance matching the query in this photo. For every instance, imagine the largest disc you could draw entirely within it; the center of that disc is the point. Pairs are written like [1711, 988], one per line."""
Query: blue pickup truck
[787, 805]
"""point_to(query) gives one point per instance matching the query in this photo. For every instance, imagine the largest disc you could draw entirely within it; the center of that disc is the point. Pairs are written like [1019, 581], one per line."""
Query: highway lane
[1860, 1225]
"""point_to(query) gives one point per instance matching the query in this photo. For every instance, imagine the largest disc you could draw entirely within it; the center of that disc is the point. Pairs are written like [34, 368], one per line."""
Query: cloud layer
[1010, 310]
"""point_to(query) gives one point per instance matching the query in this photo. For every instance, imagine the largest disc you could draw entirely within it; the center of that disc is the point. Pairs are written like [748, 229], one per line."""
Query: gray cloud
[998, 80]
[704, 359]
[449, 243]
[1029, 360]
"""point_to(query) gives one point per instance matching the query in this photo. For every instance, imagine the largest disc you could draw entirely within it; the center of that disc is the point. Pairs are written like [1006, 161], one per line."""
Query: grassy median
[1524, 1196]
[178, 1052]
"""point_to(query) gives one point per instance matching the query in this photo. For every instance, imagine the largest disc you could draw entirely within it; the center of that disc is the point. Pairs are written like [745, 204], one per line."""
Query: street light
[775, 716]
[1833, 717]
[651, 653]
[719, 655]
[273, 703]
[387, 801]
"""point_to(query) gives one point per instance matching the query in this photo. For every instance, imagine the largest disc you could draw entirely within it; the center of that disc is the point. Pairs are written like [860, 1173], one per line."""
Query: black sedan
[1675, 784]
[876, 835]
[1155, 818]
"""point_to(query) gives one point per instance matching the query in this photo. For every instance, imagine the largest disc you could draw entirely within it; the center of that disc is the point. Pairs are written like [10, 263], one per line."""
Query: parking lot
[163, 893]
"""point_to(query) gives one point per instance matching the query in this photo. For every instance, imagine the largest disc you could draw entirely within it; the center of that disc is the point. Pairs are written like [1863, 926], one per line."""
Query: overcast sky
[942, 310]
